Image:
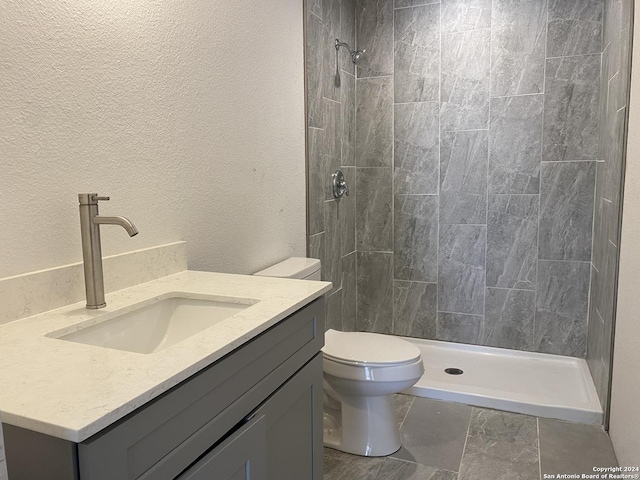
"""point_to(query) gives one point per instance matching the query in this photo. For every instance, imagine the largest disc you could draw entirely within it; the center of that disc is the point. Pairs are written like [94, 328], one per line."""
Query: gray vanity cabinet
[255, 414]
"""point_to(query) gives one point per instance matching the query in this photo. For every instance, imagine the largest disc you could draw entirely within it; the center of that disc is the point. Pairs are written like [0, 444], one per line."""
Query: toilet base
[362, 425]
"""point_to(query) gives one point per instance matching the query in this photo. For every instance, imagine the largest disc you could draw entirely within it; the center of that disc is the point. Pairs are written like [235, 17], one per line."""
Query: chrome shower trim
[356, 55]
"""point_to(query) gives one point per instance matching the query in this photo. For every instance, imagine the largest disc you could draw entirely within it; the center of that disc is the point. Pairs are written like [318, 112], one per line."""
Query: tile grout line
[571, 161]
[407, 414]
[466, 315]
[507, 288]
[466, 31]
[467, 130]
[564, 261]
[518, 95]
[486, 217]
[515, 194]
[544, 97]
[416, 281]
[342, 101]
[568, 56]
[331, 100]
[435, 2]
[355, 170]
[375, 76]
[413, 103]
[466, 441]
[467, 224]
[437, 310]
[393, 160]
[590, 293]
[416, 195]
[539, 453]
[379, 168]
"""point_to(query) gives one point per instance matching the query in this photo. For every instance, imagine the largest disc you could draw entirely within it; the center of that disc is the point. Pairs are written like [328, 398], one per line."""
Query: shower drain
[453, 371]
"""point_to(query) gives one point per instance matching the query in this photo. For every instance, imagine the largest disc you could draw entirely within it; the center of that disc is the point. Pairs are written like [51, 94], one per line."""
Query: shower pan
[530, 383]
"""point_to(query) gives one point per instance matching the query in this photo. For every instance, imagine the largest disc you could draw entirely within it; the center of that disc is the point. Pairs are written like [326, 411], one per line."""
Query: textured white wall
[189, 114]
[625, 394]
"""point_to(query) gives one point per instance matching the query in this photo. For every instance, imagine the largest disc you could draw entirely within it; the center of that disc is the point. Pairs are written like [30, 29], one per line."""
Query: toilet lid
[368, 348]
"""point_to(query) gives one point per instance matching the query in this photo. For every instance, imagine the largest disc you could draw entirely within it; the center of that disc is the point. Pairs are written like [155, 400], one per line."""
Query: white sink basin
[155, 326]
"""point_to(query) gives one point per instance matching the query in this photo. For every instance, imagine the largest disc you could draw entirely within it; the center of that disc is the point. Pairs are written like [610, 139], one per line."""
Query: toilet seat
[369, 373]
[368, 349]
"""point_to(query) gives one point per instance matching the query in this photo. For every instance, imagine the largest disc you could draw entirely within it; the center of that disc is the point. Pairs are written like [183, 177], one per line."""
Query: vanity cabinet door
[282, 441]
[242, 456]
[294, 426]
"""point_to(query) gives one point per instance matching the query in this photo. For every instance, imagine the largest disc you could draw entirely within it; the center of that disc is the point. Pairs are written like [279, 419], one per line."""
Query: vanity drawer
[165, 436]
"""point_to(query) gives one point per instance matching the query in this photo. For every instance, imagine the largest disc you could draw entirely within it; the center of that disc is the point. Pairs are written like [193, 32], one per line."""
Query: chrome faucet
[90, 223]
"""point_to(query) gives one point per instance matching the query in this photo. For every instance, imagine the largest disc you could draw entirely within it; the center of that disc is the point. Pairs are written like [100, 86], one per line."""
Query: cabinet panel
[242, 456]
[32, 455]
[294, 426]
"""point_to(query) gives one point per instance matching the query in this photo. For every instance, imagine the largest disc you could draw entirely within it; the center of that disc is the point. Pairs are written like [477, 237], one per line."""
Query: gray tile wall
[609, 173]
[471, 135]
[331, 145]
[494, 119]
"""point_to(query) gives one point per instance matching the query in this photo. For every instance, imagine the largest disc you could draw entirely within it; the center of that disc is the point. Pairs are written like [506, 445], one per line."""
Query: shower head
[356, 55]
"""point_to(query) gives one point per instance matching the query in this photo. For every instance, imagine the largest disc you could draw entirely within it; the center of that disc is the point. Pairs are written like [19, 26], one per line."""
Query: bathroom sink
[155, 326]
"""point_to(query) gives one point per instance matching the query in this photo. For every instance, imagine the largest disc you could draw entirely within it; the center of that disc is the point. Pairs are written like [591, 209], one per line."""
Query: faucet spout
[90, 223]
[122, 221]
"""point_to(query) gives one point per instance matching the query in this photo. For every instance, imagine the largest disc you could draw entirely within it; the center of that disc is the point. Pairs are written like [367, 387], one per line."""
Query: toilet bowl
[362, 372]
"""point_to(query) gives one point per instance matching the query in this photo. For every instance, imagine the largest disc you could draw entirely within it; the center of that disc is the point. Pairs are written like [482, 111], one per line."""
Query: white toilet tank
[295, 267]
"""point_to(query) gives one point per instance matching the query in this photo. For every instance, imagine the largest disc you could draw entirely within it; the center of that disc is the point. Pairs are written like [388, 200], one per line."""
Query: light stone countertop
[72, 391]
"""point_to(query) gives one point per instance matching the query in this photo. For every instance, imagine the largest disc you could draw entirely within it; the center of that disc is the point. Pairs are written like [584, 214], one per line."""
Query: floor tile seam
[377, 476]
[408, 410]
[404, 460]
[495, 439]
[415, 462]
[466, 440]
[539, 448]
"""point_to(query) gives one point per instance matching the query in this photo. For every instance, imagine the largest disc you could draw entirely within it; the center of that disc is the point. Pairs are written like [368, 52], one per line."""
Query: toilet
[362, 372]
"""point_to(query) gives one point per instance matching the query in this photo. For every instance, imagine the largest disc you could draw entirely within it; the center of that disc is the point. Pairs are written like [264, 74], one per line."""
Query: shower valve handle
[340, 186]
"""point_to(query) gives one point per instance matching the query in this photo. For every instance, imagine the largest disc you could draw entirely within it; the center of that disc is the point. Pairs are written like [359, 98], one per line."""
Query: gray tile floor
[450, 441]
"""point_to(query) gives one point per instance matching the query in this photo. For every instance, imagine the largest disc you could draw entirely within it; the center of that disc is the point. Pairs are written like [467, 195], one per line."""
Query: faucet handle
[340, 186]
[90, 198]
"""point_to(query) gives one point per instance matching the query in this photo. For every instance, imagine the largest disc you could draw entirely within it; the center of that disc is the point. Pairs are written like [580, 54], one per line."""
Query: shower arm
[342, 44]
[355, 54]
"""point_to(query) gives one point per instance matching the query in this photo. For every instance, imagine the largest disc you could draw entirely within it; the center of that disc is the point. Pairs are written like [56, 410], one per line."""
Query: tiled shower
[476, 137]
